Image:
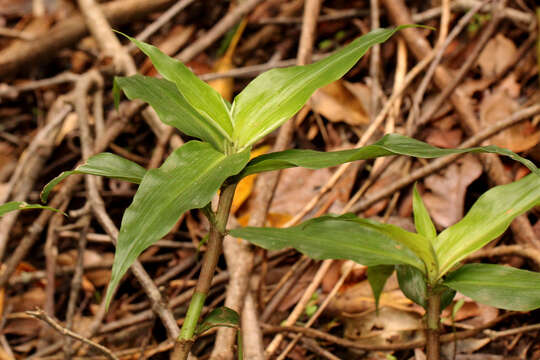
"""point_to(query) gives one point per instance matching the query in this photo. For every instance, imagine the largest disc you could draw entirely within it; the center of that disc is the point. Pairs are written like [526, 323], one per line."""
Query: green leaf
[331, 237]
[21, 205]
[488, 218]
[221, 316]
[276, 95]
[171, 106]
[499, 286]
[422, 220]
[447, 296]
[201, 96]
[412, 283]
[188, 179]
[103, 164]
[419, 244]
[391, 144]
[377, 276]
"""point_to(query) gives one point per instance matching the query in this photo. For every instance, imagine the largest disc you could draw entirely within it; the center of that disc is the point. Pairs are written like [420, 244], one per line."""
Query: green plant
[21, 205]
[193, 173]
[427, 264]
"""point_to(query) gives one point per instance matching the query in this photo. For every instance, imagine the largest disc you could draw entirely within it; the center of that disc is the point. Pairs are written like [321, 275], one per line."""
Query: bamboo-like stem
[211, 257]
[433, 320]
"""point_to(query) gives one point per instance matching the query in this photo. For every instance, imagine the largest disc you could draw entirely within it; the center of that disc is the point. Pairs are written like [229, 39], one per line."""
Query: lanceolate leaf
[207, 101]
[447, 295]
[488, 218]
[377, 276]
[171, 106]
[422, 220]
[391, 144]
[330, 237]
[103, 164]
[412, 283]
[222, 317]
[188, 179]
[21, 205]
[419, 244]
[276, 95]
[500, 286]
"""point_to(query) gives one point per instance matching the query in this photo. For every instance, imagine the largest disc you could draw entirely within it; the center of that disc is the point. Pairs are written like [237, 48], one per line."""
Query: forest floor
[56, 74]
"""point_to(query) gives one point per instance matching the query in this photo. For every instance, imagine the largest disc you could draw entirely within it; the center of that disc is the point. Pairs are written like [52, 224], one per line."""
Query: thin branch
[29, 166]
[159, 22]
[441, 48]
[504, 250]
[318, 334]
[374, 62]
[301, 305]
[218, 30]
[40, 314]
[320, 310]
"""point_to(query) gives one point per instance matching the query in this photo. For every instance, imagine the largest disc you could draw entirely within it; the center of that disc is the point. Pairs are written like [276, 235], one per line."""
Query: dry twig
[40, 314]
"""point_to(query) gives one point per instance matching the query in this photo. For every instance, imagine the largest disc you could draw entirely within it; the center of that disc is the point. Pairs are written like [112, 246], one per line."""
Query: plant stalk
[433, 321]
[215, 243]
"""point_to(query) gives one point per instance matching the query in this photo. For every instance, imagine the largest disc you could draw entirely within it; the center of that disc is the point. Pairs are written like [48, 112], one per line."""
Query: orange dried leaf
[245, 186]
[225, 86]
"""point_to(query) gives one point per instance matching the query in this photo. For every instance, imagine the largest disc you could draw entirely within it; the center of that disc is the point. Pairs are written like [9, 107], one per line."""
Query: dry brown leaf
[225, 86]
[536, 228]
[92, 278]
[245, 186]
[337, 103]
[337, 269]
[29, 300]
[4, 355]
[272, 219]
[332, 276]
[296, 292]
[496, 56]
[429, 102]
[446, 199]
[70, 123]
[443, 134]
[500, 105]
[6, 154]
[358, 298]
[99, 278]
[465, 346]
[471, 86]
[388, 326]
[392, 173]
[297, 186]
[24, 327]
[341, 193]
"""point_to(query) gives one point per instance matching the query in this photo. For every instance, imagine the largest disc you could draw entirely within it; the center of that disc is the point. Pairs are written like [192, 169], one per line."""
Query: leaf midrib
[313, 75]
[492, 284]
[155, 217]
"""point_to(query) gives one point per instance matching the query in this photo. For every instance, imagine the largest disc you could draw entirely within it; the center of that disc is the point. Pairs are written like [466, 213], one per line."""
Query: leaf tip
[121, 33]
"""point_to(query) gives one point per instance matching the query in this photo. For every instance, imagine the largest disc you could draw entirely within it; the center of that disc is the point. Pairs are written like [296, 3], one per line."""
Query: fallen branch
[40, 314]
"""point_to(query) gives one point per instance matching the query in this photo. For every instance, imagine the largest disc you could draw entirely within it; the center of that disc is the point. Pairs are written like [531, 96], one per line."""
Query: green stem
[433, 320]
[210, 259]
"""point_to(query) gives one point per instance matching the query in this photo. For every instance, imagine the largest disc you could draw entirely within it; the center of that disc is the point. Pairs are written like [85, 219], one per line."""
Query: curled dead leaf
[498, 54]
[336, 102]
[501, 104]
[446, 197]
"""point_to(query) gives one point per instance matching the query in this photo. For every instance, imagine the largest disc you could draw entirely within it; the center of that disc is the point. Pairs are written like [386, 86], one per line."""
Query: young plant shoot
[192, 174]
[425, 262]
